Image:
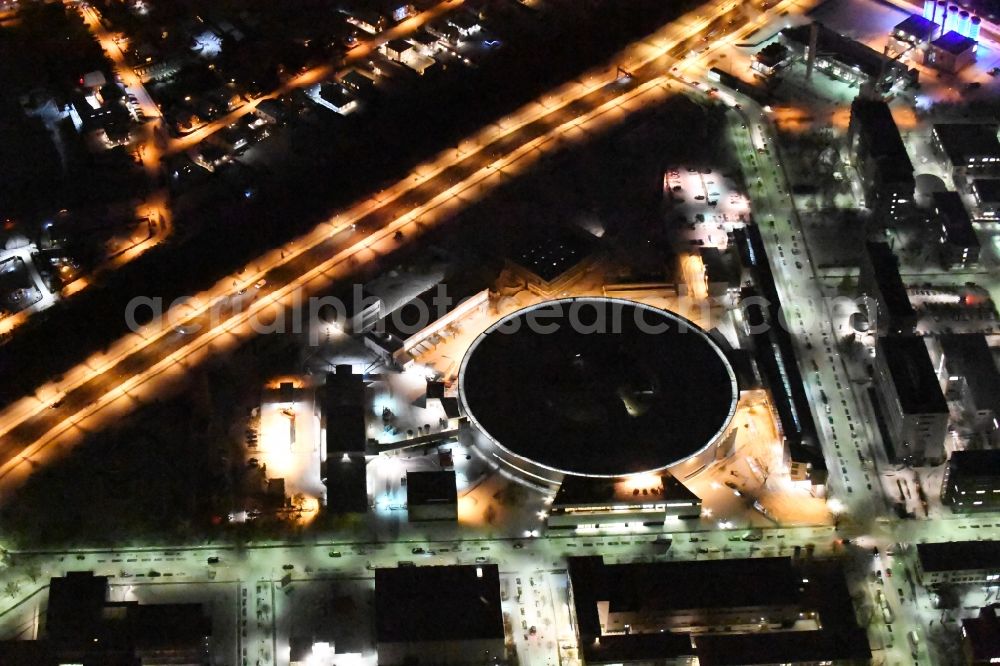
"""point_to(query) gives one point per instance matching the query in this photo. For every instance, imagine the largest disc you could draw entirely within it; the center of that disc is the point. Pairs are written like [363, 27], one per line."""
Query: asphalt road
[334, 250]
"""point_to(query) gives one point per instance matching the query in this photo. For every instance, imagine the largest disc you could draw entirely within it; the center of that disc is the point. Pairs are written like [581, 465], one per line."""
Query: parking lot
[707, 203]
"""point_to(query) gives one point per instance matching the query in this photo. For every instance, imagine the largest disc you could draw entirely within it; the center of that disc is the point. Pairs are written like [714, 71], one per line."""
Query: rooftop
[356, 80]
[783, 647]
[682, 586]
[772, 54]
[971, 357]
[398, 45]
[959, 555]
[845, 50]
[345, 429]
[346, 485]
[975, 463]
[594, 385]
[433, 487]
[628, 648]
[954, 43]
[881, 136]
[890, 284]
[917, 27]
[963, 141]
[336, 94]
[987, 190]
[551, 250]
[75, 603]
[443, 603]
[955, 219]
[912, 374]
[578, 490]
[982, 635]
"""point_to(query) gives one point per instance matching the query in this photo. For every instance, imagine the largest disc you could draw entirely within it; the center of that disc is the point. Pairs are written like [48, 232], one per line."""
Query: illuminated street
[713, 378]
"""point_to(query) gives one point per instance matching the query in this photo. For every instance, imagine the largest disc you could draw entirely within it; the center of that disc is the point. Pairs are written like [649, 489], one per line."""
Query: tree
[12, 589]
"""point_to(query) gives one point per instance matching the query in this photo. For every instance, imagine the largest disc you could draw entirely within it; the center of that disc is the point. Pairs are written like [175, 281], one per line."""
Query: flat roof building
[888, 305]
[439, 615]
[959, 244]
[597, 503]
[910, 400]
[770, 59]
[667, 612]
[846, 59]
[595, 391]
[343, 427]
[958, 562]
[971, 149]
[432, 495]
[336, 97]
[775, 354]
[967, 364]
[981, 637]
[784, 647]
[986, 192]
[915, 30]
[972, 481]
[721, 273]
[357, 82]
[551, 258]
[881, 159]
[951, 52]
[83, 626]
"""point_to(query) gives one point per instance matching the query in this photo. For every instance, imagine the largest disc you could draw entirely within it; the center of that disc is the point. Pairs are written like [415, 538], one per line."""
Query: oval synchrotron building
[598, 387]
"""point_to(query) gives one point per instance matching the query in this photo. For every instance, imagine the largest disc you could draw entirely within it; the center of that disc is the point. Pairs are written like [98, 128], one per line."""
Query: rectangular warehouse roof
[912, 374]
[959, 555]
[445, 603]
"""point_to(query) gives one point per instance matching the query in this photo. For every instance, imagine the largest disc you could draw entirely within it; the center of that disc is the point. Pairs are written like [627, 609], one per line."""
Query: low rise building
[986, 192]
[270, 110]
[958, 562]
[721, 272]
[966, 366]
[910, 400]
[846, 59]
[887, 302]
[549, 259]
[981, 637]
[370, 21]
[770, 59]
[796, 612]
[913, 32]
[972, 150]
[881, 160]
[341, 401]
[951, 52]
[439, 615]
[431, 495]
[357, 82]
[335, 97]
[84, 626]
[648, 500]
[774, 353]
[396, 49]
[465, 22]
[972, 481]
[959, 244]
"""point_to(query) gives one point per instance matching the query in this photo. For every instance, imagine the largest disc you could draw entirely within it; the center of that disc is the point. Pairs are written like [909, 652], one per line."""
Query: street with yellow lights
[752, 506]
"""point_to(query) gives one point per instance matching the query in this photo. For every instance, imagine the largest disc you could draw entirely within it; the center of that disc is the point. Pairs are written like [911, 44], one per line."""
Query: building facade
[972, 481]
[910, 399]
